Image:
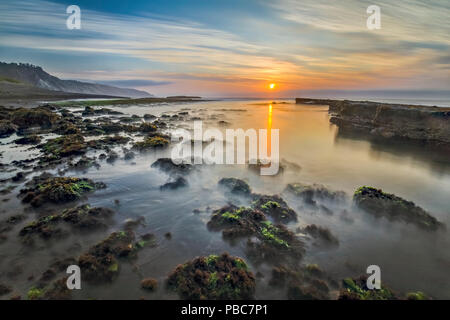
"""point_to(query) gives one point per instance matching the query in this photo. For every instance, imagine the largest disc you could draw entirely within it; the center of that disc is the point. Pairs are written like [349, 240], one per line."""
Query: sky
[234, 48]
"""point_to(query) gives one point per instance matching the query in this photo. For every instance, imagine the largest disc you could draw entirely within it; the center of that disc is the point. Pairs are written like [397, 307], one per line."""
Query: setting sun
[272, 85]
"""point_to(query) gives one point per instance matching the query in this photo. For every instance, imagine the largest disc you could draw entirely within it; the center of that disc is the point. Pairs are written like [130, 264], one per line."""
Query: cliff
[420, 123]
[35, 76]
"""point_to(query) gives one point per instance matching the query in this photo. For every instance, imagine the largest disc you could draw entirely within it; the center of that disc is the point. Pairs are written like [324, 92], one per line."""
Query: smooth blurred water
[410, 259]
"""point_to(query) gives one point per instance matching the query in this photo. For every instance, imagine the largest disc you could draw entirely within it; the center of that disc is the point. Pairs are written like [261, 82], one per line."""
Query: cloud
[131, 83]
[307, 44]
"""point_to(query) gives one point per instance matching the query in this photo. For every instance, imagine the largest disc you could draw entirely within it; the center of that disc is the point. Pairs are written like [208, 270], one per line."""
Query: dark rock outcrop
[420, 123]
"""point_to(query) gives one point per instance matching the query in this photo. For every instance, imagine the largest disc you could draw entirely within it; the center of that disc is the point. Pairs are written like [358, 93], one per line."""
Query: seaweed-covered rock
[236, 222]
[116, 139]
[275, 207]
[87, 218]
[147, 127]
[151, 143]
[55, 291]
[82, 218]
[64, 146]
[33, 117]
[167, 165]
[381, 204]
[58, 190]
[266, 241]
[100, 263]
[45, 227]
[315, 192]
[303, 283]
[213, 277]
[236, 186]
[356, 289]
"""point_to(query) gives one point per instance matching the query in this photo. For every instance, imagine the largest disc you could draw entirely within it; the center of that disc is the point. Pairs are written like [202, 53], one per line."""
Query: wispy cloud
[305, 45]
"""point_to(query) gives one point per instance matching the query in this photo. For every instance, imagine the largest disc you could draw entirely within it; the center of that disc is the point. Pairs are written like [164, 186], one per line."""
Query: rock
[149, 284]
[112, 157]
[314, 193]
[267, 242]
[4, 289]
[320, 233]
[99, 264]
[166, 165]
[7, 128]
[65, 146]
[214, 278]
[25, 118]
[151, 143]
[356, 289]
[381, 204]
[57, 190]
[275, 207]
[148, 116]
[179, 182]
[387, 121]
[147, 127]
[129, 155]
[30, 139]
[83, 218]
[236, 186]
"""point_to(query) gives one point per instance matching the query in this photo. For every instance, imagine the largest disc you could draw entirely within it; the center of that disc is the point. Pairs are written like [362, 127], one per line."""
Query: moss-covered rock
[57, 190]
[55, 291]
[213, 277]
[101, 263]
[394, 208]
[275, 207]
[147, 127]
[25, 118]
[151, 143]
[64, 146]
[356, 289]
[266, 241]
[303, 283]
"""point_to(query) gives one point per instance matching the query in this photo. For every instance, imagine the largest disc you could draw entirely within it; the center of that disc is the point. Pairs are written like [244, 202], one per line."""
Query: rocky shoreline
[424, 124]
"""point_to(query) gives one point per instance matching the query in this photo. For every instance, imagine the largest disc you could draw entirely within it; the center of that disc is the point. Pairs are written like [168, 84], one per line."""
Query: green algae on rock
[151, 143]
[57, 290]
[275, 207]
[356, 289]
[213, 277]
[83, 218]
[64, 146]
[101, 262]
[270, 242]
[303, 283]
[394, 208]
[57, 190]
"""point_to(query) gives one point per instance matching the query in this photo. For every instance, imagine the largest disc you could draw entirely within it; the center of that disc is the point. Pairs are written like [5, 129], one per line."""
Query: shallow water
[312, 151]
